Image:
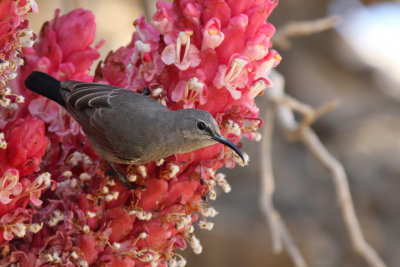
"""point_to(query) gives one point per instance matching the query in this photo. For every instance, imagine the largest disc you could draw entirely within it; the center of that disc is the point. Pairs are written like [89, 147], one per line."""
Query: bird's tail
[45, 85]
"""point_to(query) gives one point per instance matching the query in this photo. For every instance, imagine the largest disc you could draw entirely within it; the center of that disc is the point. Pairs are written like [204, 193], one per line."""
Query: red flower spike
[213, 55]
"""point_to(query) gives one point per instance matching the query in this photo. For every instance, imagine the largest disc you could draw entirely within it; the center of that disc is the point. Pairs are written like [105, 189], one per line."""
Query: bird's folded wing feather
[87, 95]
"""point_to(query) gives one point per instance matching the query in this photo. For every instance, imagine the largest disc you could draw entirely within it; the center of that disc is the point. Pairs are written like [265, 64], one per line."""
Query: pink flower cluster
[212, 55]
[13, 35]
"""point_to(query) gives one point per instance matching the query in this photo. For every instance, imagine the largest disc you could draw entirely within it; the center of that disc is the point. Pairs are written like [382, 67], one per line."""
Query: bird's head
[199, 129]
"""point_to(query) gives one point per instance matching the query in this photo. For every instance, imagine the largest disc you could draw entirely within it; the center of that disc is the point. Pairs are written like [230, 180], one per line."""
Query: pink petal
[194, 56]
[218, 81]
[212, 34]
[17, 189]
[4, 198]
[168, 56]
[235, 93]
[178, 92]
[8, 235]
[35, 200]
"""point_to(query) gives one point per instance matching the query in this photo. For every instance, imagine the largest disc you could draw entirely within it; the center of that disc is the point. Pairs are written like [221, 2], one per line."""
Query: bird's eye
[201, 125]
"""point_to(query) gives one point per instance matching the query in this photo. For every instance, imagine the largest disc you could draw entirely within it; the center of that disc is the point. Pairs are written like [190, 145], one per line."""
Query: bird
[125, 127]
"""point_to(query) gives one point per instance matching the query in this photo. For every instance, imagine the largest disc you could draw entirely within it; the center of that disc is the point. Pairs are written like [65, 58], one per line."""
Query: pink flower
[233, 76]
[212, 34]
[9, 185]
[181, 53]
[63, 49]
[164, 18]
[13, 36]
[190, 92]
[26, 144]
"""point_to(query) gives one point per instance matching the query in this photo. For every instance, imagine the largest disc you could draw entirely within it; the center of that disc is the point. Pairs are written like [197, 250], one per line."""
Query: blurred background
[358, 64]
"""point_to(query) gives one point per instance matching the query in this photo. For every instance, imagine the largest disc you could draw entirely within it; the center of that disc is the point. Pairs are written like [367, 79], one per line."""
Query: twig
[280, 234]
[311, 140]
[267, 179]
[291, 246]
[302, 28]
[290, 127]
[310, 115]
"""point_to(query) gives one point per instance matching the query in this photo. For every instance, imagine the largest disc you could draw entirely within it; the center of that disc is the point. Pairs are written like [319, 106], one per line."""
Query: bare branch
[311, 140]
[291, 246]
[301, 131]
[267, 180]
[302, 28]
[280, 235]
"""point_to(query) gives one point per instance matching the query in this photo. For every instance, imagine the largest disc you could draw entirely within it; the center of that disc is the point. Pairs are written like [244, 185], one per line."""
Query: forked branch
[282, 107]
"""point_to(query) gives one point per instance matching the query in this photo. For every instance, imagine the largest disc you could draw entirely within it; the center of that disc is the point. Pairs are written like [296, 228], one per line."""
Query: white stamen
[236, 68]
[240, 161]
[84, 176]
[156, 93]
[3, 143]
[258, 87]
[212, 195]
[20, 99]
[91, 214]
[132, 178]
[19, 229]
[195, 86]
[57, 217]
[223, 183]
[48, 257]
[195, 244]
[74, 255]
[74, 182]
[142, 47]
[56, 257]
[206, 225]
[179, 226]
[67, 174]
[173, 170]
[4, 102]
[233, 127]
[83, 263]
[35, 227]
[86, 229]
[109, 197]
[190, 229]
[105, 189]
[143, 235]
[160, 162]
[142, 170]
[187, 219]
[257, 136]
[25, 38]
[183, 39]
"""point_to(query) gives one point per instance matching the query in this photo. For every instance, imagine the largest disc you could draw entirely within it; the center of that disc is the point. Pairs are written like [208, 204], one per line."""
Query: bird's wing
[79, 95]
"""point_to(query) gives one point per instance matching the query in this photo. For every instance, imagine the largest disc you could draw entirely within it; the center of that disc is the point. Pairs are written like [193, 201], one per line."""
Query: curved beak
[221, 139]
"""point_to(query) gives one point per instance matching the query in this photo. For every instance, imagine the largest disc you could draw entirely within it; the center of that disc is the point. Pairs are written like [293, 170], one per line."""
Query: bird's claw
[122, 178]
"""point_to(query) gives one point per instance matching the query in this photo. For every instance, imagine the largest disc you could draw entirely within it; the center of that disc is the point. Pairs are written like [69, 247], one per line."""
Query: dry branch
[283, 107]
[302, 28]
[280, 235]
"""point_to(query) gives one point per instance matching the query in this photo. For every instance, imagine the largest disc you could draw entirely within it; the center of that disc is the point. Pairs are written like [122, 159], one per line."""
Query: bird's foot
[122, 178]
